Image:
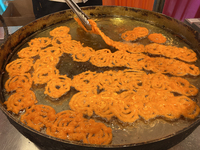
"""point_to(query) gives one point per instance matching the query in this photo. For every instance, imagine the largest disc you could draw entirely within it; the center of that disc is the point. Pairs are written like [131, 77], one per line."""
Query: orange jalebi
[157, 38]
[72, 126]
[28, 52]
[54, 51]
[21, 82]
[148, 63]
[86, 80]
[59, 41]
[83, 54]
[173, 84]
[58, 86]
[102, 58]
[184, 53]
[116, 81]
[19, 66]
[71, 46]
[41, 42]
[126, 94]
[47, 60]
[20, 101]
[38, 116]
[171, 66]
[44, 74]
[142, 103]
[61, 31]
[138, 32]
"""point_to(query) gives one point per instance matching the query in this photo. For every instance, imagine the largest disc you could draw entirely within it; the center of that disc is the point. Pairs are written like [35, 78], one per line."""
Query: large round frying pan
[157, 134]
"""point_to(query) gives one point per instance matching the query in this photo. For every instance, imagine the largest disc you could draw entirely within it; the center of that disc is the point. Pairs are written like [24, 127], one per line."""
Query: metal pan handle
[5, 28]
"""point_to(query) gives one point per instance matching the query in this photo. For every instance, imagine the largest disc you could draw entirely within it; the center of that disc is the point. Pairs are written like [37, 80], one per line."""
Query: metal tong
[81, 15]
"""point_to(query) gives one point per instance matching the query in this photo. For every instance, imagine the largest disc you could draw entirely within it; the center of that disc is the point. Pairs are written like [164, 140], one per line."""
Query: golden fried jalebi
[19, 66]
[173, 84]
[72, 126]
[102, 105]
[21, 82]
[83, 102]
[124, 107]
[137, 32]
[134, 61]
[184, 53]
[116, 81]
[61, 31]
[38, 116]
[83, 54]
[129, 36]
[171, 66]
[85, 81]
[142, 103]
[189, 108]
[71, 46]
[157, 38]
[41, 42]
[59, 41]
[58, 86]
[118, 58]
[49, 60]
[183, 86]
[98, 133]
[64, 124]
[131, 47]
[20, 101]
[102, 58]
[44, 74]
[28, 52]
[178, 106]
[54, 51]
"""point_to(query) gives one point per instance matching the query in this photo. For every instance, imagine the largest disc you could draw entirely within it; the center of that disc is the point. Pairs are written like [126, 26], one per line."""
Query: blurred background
[178, 9]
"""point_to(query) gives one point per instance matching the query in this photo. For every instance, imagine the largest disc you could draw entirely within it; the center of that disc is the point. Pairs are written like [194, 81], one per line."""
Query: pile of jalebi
[127, 94]
[19, 82]
[73, 126]
[104, 58]
[66, 124]
[129, 106]
[118, 81]
[184, 53]
[132, 59]
[171, 66]
[37, 64]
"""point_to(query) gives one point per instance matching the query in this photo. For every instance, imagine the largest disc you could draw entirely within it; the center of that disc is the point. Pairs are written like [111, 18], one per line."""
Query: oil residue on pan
[123, 133]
